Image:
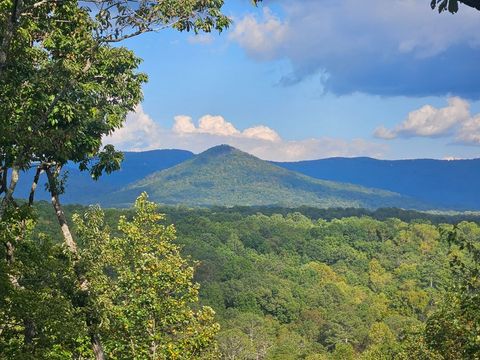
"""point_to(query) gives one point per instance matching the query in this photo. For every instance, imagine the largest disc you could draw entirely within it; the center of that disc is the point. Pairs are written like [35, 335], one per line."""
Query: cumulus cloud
[261, 132]
[138, 133]
[216, 125]
[469, 133]
[396, 47]
[142, 133]
[262, 39]
[183, 124]
[453, 121]
[429, 121]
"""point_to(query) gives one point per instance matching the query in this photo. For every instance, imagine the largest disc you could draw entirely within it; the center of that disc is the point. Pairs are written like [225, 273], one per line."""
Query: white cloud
[261, 132]
[383, 133]
[216, 125]
[395, 47]
[261, 39]
[142, 133]
[469, 133]
[183, 124]
[138, 133]
[315, 148]
[452, 158]
[453, 121]
[429, 121]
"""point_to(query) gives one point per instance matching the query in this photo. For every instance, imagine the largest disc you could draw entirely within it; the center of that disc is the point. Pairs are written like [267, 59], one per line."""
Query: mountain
[447, 184]
[81, 189]
[224, 175]
[440, 183]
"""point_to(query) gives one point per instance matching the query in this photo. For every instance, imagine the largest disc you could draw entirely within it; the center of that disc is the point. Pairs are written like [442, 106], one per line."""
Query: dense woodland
[288, 286]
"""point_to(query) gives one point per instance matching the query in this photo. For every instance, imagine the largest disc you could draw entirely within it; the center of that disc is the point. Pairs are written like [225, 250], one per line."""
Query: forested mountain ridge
[227, 176]
[445, 183]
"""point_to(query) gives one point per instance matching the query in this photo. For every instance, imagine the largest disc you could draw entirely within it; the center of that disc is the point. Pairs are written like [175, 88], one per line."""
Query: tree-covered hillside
[226, 176]
[293, 287]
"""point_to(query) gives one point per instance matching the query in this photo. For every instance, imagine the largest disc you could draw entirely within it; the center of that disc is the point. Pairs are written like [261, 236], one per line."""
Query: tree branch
[472, 3]
[109, 39]
[9, 192]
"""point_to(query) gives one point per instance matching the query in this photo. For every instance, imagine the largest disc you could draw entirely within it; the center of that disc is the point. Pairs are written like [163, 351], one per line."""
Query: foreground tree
[143, 288]
[141, 293]
[63, 88]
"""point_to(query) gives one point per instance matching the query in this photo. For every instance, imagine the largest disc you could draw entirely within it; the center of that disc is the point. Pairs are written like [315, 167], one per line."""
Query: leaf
[453, 6]
[442, 6]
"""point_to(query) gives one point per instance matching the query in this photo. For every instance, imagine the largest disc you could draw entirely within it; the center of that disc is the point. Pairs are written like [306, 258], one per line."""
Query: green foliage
[454, 329]
[144, 288]
[443, 5]
[289, 287]
[140, 289]
[37, 316]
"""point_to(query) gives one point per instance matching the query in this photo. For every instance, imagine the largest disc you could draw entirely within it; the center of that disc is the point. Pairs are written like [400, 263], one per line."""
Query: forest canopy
[291, 286]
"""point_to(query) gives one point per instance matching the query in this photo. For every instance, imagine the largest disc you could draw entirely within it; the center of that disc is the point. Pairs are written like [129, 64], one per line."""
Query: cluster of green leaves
[66, 92]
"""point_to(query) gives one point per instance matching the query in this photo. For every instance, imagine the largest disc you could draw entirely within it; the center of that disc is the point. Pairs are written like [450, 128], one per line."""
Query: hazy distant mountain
[224, 175]
[82, 189]
[448, 184]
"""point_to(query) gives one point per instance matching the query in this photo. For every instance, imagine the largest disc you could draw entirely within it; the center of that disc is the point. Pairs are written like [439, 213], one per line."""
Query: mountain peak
[224, 175]
[222, 149]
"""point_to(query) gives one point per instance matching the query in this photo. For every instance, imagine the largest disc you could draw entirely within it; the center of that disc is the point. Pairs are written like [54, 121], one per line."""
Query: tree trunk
[97, 346]
[34, 185]
[10, 248]
[8, 198]
[73, 249]
[9, 33]
[3, 180]
[29, 331]
[62, 220]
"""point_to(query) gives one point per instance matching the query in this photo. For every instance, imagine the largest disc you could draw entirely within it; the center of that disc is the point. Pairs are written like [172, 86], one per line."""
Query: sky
[296, 80]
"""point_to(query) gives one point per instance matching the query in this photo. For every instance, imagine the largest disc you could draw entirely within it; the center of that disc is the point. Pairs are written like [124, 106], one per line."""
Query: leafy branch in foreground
[141, 302]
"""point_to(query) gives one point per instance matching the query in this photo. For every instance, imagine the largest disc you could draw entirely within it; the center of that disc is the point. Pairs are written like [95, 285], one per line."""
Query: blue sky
[293, 80]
